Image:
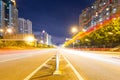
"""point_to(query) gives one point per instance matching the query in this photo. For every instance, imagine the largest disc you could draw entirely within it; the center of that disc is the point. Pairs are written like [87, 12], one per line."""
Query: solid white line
[74, 70]
[36, 70]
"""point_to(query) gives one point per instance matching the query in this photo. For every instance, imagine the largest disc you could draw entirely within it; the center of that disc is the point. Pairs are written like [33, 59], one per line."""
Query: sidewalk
[46, 72]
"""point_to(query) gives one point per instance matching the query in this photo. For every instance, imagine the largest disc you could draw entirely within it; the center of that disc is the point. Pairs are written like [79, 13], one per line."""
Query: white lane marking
[36, 70]
[74, 70]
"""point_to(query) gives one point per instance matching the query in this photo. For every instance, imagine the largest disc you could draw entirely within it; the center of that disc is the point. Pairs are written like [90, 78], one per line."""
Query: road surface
[17, 65]
[94, 66]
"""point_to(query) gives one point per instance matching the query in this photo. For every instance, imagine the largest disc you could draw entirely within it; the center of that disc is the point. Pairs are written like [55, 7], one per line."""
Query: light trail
[20, 55]
[99, 57]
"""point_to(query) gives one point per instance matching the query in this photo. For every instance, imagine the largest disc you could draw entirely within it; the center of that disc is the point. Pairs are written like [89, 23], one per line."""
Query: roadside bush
[11, 44]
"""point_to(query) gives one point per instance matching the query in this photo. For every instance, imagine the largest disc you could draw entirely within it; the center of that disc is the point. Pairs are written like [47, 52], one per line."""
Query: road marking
[74, 70]
[36, 70]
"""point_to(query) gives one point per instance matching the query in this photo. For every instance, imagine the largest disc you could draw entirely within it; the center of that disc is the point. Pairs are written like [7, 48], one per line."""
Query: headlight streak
[15, 56]
[100, 57]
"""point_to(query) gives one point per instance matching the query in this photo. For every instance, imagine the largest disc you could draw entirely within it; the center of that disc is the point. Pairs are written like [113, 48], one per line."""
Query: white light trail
[101, 57]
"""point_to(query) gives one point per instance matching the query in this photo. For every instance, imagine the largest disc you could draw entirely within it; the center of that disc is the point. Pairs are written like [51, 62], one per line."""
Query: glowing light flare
[43, 31]
[99, 57]
[1, 30]
[29, 39]
[74, 29]
[41, 41]
[9, 30]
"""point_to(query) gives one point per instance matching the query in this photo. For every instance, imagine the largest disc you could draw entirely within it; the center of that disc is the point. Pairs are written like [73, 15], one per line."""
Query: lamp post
[74, 30]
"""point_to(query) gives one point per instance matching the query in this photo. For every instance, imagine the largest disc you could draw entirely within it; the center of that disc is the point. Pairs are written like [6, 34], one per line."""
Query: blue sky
[53, 16]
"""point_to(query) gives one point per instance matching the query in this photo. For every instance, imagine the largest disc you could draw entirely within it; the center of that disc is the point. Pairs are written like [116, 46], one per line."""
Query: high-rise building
[46, 38]
[29, 26]
[22, 24]
[98, 12]
[49, 40]
[8, 16]
[2, 16]
[25, 26]
[12, 16]
[43, 37]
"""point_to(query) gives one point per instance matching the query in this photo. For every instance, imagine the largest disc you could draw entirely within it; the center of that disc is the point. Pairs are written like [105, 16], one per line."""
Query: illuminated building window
[100, 19]
[114, 10]
[107, 9]
[107, 13]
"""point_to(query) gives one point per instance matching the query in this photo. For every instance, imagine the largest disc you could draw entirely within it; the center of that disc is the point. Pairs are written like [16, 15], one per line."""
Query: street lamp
[74, 29]
[9, 30]
[1, 30]
[43, 31]
[31, 39]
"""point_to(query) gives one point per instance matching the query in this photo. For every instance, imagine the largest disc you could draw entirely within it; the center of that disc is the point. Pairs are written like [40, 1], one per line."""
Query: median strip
[55, 68]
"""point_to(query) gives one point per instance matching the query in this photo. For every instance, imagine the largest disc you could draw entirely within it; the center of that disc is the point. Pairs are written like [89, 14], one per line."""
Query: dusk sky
[53, 16]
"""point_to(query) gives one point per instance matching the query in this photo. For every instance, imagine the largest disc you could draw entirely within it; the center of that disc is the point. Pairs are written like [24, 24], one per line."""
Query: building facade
[13, 15]
[29, 26]
[98, 12]
[25, 26]
[2, 16]
[8, 17]
[43, 37]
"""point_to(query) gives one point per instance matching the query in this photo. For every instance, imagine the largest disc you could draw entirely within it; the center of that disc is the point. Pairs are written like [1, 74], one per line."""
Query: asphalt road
[17, 65]
[93, 66]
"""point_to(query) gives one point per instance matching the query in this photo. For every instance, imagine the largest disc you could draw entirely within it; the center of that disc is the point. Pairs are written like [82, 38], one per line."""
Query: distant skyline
[54, 16]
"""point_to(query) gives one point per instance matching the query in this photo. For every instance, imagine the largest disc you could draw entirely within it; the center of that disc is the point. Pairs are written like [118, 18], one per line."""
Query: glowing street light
[41, 41]
[9, 30]
[29, 39]
[96, 14]
[1, 30]
[74, 29]
[43, 31]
